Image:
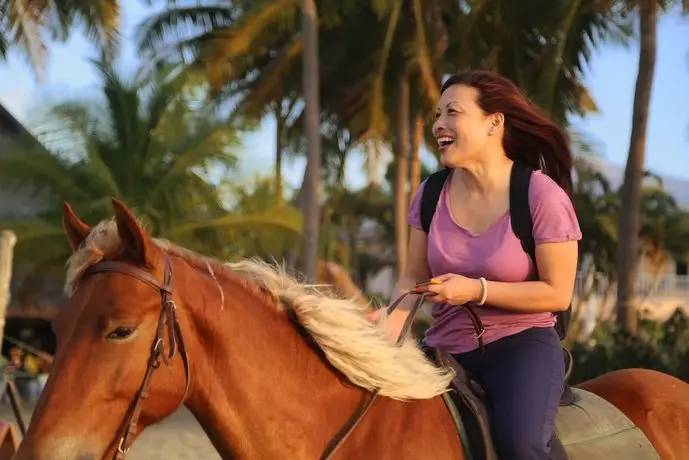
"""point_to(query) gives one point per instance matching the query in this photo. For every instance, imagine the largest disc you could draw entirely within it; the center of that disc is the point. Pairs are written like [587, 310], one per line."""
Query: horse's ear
[134, 239]
[76, 230]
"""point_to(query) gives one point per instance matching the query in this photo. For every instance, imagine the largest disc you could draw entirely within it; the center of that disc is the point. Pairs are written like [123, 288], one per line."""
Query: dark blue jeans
[523, 376]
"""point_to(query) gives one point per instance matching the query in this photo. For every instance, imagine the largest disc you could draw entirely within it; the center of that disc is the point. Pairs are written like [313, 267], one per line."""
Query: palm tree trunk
[415, 164]
[402, 174]
[312, 120]
[279, 198]
[631, 190]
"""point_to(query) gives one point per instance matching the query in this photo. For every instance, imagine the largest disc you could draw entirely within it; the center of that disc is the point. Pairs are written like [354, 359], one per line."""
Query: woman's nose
[437, 125]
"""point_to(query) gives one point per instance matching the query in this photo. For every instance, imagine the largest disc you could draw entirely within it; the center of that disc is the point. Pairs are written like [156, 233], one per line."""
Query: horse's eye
[120, 333]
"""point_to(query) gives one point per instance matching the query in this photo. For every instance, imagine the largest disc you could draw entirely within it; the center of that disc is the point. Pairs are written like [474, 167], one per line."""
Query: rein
[166, 320]
[367, 400]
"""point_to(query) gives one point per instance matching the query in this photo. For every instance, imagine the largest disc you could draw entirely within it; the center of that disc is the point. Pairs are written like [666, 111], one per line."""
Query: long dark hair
[530, 136]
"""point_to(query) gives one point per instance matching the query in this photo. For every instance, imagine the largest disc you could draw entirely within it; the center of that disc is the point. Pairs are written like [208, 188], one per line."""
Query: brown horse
[261, 387]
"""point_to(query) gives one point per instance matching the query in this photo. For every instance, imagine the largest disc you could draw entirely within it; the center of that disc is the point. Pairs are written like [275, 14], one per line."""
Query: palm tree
[312, 114]
[542, 46]
[28, 25]
[631, 189]
[376, 54]
[24, 25]
[628, 252]
[410, 63]
[554, 42]
[260, 47]
[258, 198]
[145, 142]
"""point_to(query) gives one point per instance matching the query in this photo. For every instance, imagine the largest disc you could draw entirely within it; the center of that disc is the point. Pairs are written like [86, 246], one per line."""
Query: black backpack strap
[522, 226]
[520, 212]
[431, 195]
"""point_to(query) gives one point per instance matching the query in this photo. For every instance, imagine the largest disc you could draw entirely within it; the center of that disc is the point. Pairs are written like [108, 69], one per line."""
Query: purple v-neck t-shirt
[497, 255]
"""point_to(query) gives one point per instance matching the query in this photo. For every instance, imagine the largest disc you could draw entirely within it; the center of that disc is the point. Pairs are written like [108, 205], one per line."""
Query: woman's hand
[453, 289]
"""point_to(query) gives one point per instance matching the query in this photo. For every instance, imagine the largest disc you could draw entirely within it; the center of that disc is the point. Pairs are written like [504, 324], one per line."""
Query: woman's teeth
[445, 140]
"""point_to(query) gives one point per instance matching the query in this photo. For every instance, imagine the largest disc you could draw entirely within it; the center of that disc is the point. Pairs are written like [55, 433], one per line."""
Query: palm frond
[286, 218]
[100, 20]
[38, 171]
[176, 33]
[25, 22]
[378, 118]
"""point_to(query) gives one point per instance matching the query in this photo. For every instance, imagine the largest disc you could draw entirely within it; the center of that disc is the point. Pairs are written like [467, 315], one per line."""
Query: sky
[610, 77]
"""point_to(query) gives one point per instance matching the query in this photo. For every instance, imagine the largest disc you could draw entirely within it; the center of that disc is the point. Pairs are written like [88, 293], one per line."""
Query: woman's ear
[497, 122]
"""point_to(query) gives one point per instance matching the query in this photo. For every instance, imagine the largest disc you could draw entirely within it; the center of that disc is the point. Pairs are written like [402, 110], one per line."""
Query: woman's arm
[556, 233]
[417, 269]
[557, 266]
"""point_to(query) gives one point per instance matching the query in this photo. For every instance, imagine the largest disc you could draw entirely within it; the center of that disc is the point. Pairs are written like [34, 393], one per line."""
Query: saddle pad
[592, 428]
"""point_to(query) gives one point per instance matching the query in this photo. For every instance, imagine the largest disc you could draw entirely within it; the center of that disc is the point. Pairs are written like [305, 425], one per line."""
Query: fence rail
[648, 286]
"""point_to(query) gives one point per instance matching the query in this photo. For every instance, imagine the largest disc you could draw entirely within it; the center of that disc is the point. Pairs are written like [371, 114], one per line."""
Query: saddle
[469, 406]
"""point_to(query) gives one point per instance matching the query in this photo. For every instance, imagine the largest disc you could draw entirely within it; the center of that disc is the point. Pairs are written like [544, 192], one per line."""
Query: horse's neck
[259, 390]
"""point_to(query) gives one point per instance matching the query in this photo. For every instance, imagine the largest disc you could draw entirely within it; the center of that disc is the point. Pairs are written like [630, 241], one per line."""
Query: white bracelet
[484, 291]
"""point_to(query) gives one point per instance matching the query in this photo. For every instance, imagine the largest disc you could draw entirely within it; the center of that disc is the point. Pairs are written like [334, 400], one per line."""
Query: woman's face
[463, 131]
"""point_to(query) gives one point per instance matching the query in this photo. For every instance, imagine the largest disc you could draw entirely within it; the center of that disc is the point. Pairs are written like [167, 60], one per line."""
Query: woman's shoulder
[543, 190]
[552, 210]
[541, 184]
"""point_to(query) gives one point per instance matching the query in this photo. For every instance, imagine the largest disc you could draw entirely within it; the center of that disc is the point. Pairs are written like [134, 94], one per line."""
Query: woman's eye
[120, 333]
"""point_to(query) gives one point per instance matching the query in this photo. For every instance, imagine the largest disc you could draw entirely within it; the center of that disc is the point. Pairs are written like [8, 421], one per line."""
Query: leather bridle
[167, 320]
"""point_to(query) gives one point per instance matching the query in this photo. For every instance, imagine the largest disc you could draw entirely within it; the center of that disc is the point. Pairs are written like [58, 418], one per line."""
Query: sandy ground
[177, 438]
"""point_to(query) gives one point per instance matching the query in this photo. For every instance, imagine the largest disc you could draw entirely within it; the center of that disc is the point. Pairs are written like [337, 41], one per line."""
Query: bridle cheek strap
[166, 321]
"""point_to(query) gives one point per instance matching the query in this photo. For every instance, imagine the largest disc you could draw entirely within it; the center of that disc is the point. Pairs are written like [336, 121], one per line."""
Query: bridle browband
[168, 319]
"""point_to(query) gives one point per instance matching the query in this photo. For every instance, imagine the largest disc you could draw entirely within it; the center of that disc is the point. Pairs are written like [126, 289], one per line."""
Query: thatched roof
[11, 127]
[13, 135]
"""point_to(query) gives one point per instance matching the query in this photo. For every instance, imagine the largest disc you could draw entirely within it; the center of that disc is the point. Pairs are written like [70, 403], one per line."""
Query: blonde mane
[351, 343]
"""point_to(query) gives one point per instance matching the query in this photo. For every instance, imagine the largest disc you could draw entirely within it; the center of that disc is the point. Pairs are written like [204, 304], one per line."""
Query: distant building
[32, 295]
[13, 136]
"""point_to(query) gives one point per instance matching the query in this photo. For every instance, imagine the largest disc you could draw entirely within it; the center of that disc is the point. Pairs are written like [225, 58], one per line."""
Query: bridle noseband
[167, 320]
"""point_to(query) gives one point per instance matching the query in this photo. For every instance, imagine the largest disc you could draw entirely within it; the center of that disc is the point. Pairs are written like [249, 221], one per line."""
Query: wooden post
[7, 241]
[9, 440]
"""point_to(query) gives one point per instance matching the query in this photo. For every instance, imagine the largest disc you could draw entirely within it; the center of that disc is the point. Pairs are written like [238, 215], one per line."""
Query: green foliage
[661, 346]
[28, 25]
[264, 233]
[150, 142]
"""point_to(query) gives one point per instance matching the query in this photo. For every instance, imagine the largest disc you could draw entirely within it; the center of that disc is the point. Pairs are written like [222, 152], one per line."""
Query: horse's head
[120, 311]
[271, 354]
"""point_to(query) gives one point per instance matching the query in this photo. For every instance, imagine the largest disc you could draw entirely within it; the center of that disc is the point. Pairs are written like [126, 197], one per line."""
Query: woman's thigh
[524, 379]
